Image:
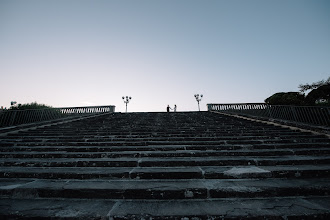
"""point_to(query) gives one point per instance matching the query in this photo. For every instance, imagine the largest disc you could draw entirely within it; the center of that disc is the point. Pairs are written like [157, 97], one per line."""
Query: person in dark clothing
[168, 108]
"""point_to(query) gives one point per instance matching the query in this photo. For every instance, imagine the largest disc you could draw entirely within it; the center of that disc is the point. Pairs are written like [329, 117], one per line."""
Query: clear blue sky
[78, 52]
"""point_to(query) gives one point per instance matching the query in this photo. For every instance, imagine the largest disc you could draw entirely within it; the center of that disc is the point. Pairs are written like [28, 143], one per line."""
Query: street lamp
[126, 100]
[198, 99]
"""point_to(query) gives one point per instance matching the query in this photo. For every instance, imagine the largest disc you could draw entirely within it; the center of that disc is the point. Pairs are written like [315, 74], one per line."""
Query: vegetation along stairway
[184, 165]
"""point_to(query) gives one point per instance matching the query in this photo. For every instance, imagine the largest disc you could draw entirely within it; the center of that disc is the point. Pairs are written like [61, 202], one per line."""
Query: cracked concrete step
[226, 172]
[152, 153]
[166, 162]
[313, 207]
[239, 208]
[163, 189]
[42, 208]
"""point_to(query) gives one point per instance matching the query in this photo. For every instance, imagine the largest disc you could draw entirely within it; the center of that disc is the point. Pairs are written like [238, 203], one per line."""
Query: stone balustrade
[314, 115]
[19, 117]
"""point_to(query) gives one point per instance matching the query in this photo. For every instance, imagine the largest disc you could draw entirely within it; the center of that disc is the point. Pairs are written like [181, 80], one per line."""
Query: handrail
[314, 115]
[18, 117]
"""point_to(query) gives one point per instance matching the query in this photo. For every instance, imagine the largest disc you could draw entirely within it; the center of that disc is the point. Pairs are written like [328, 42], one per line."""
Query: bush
[33, 105]
[322, 92]
[286, 98]
[319, 95]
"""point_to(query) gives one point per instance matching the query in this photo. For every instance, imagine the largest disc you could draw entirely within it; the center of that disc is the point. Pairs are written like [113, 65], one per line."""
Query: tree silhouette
[315, 85]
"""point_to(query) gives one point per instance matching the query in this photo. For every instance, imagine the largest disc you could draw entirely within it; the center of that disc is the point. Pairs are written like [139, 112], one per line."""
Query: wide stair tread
[198, 172]
[314, 207]
[163, 189]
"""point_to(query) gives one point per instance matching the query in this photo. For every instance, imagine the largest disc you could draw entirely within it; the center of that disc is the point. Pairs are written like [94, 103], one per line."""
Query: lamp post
[126, 100]
[198, 99]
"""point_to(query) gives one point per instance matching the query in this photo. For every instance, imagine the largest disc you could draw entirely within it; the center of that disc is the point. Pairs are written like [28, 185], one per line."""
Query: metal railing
[314, 115]
[18, 117]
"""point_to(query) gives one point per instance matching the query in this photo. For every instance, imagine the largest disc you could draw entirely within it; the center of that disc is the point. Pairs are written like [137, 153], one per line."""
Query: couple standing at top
[169, 108]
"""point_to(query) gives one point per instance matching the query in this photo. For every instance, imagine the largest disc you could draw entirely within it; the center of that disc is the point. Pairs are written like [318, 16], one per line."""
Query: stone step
[238, 208]
[140, 148]
[147, 125]
[168, 142]
[113, 148]
[177, 133]
[45, 208]
[166, 162]
[260, 141]
[62, 153]
[162, 141]
[312, 207]
[207, 172]
[195, 124]
[234, 161]
[128, 134]
[301, 138]
[163, 189]
[166, 133]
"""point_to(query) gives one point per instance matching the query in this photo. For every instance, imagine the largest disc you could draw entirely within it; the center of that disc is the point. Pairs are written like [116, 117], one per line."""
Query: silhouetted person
[168, 108]
[174, 108]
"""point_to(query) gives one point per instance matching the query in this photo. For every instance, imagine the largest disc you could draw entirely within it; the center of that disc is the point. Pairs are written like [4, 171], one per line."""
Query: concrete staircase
[191, 165]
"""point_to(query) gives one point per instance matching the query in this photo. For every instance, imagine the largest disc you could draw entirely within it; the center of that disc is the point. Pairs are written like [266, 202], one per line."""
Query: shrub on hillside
[319, 95]
[315, 96]
[286, 98]
[33, 105]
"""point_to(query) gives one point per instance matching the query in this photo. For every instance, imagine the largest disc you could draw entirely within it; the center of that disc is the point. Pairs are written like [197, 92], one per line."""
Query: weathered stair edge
[285, 124]
[225, 172]
[316, 207]
[32, 126]
[163, 189]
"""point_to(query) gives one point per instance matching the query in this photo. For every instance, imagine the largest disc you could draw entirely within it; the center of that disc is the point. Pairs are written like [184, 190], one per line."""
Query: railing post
[294, 113]
[42, 114]
[269, 110]
[12, 119]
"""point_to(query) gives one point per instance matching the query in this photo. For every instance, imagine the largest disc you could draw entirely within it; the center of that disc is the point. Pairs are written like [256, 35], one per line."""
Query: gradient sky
[77, 52]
